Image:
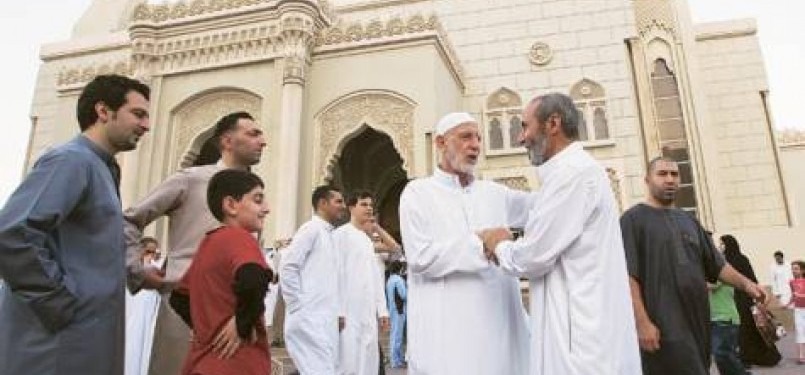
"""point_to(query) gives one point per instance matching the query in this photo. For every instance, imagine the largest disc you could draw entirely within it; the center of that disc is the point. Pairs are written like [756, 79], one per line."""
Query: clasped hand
[491, 238]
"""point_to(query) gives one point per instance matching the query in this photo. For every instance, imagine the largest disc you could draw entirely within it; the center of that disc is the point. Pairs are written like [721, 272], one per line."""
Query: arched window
[495, 135]
[503, 108]
[590, 100]
[671, 130]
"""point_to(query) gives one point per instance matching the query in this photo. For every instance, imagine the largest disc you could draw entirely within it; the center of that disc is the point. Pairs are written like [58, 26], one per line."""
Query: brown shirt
[183, 198]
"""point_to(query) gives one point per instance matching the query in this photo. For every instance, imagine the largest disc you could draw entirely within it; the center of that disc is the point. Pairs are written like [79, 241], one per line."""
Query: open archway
[369, 161]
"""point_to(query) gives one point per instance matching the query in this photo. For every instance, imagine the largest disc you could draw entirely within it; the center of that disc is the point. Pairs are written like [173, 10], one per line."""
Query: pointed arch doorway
[369, 161]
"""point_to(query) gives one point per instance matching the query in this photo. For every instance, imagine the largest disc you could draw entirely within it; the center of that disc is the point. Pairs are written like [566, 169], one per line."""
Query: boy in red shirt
[221, 295]
[798, 303]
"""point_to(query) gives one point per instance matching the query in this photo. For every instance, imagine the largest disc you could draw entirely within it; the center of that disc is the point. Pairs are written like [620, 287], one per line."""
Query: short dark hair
[357, 195]
[146, 240]
[395, 267]
[799, 263]
[233, 183]
[110, 89]
[228, 123]
[653, 163]
[322, 192]
[562, 105]
[779, 253]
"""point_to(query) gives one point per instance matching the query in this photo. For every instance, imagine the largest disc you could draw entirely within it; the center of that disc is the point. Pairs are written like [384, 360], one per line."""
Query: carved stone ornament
[516, 183]
[540, 54]
[382, 111]
[84, 74]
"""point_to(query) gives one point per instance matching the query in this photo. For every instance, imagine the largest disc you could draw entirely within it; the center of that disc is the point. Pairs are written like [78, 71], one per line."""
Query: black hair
[146, 240]
[233, 183]
[109, 89]
[395, 267]
[357, 195]
[653, 163]
[779, 253]
[228, 123]
[322, 192]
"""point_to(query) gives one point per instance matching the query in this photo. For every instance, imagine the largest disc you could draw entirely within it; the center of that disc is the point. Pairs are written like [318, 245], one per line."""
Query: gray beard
[536, 152]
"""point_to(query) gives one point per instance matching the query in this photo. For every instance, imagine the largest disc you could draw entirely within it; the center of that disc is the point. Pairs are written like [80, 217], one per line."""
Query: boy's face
[250, 210]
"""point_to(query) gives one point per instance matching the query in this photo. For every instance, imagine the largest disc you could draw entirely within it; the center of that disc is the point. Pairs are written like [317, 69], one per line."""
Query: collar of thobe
[450, 180]
[329, 227]
[555, 163]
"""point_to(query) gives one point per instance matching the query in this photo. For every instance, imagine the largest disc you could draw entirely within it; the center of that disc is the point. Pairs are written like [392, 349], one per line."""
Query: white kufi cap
[451, 120]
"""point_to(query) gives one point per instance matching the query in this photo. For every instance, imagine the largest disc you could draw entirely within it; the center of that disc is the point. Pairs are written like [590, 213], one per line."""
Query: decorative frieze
[516, 183]
[80, 75]
[160, 13]
[655, 15]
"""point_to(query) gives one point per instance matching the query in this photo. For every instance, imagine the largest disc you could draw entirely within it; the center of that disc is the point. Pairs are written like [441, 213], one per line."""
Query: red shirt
[209, 282]
[798, 289]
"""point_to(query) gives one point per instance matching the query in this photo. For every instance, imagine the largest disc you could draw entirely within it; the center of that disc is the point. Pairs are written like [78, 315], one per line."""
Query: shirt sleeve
[631, 241]
[162, 200]
[380, 293]
[29, 262]
[432, 254]
[518, 206]
[555, 223]
[291, 264]
[251, 283]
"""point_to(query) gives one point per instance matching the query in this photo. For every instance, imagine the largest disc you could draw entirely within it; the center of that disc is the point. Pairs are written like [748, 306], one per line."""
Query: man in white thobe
[465, 316]
[309, 283]
[781, 276]
[362, 290]
[572, 252]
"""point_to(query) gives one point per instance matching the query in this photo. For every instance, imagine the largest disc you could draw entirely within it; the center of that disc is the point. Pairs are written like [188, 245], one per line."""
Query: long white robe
[581, 312]
[272, 294]
[465, 316]
[364, 302]
[309, 285]
[141, 314]
[780, 277]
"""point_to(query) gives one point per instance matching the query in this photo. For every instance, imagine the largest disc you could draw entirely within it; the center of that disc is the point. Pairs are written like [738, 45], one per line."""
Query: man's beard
[666, 197]
[536, 151]
[458, 165]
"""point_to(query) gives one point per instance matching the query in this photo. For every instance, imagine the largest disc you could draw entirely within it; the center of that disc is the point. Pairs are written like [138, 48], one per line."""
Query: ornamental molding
[199, 9]
[516, 183]
[386, 112]
[77, 76]
[791, 138]
[344, 36]
[655, 15]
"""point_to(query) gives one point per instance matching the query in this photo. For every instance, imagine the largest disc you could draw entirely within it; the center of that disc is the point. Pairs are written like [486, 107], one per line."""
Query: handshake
[491, 238]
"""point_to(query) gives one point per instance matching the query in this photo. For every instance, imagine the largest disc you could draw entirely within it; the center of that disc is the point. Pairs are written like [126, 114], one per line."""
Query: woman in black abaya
[753, 349]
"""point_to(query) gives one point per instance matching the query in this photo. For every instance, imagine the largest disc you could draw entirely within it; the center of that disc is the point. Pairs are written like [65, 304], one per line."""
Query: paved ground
[788, 366]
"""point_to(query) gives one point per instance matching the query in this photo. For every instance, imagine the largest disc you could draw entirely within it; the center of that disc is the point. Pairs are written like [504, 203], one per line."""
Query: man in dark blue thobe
[61, 244]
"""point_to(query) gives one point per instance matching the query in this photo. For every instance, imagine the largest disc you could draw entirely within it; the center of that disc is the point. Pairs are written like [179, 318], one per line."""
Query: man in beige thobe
[183, 198]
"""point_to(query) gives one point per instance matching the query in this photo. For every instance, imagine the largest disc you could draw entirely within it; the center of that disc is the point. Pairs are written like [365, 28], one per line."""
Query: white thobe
[272, 294]
[781, 276]
[465, 316]
[364, 302]
[581, 312]
[309, 285]
[141, 314]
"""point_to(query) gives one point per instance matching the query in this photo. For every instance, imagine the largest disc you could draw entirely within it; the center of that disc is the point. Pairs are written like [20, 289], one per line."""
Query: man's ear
[440, 141]
[102, 111]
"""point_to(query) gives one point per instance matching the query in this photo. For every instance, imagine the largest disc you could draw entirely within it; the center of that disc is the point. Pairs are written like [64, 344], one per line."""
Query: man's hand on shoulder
[153, 278]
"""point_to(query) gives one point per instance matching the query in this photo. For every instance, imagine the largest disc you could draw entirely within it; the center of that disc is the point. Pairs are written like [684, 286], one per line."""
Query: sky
[26, 25]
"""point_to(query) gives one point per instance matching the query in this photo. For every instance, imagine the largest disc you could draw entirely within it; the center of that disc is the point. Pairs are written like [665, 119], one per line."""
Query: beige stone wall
[733, 77]
[492, 40]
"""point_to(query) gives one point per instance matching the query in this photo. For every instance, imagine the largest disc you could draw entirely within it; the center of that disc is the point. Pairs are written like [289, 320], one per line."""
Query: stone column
[295, 43]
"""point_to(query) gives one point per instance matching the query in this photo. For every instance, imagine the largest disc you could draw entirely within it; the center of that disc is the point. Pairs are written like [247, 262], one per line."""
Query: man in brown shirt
[183, 198]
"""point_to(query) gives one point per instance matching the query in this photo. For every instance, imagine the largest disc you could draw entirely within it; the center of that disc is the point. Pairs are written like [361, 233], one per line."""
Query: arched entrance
[370, 161]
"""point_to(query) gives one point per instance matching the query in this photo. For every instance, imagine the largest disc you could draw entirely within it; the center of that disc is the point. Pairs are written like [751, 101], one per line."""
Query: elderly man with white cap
[465, 316]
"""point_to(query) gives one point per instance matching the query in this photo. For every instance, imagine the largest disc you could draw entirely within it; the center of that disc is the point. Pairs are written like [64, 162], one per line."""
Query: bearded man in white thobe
[309, 283]
[465, 316]
[362, 289]
[572, 252]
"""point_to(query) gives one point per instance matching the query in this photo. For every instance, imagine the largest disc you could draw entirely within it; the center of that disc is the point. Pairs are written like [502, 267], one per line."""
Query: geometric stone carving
[199, 114]
[517, 183]
[654, 15]
[503, 98]
[615, 185]
[84, 74]
[540, 54]
[384, 111]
